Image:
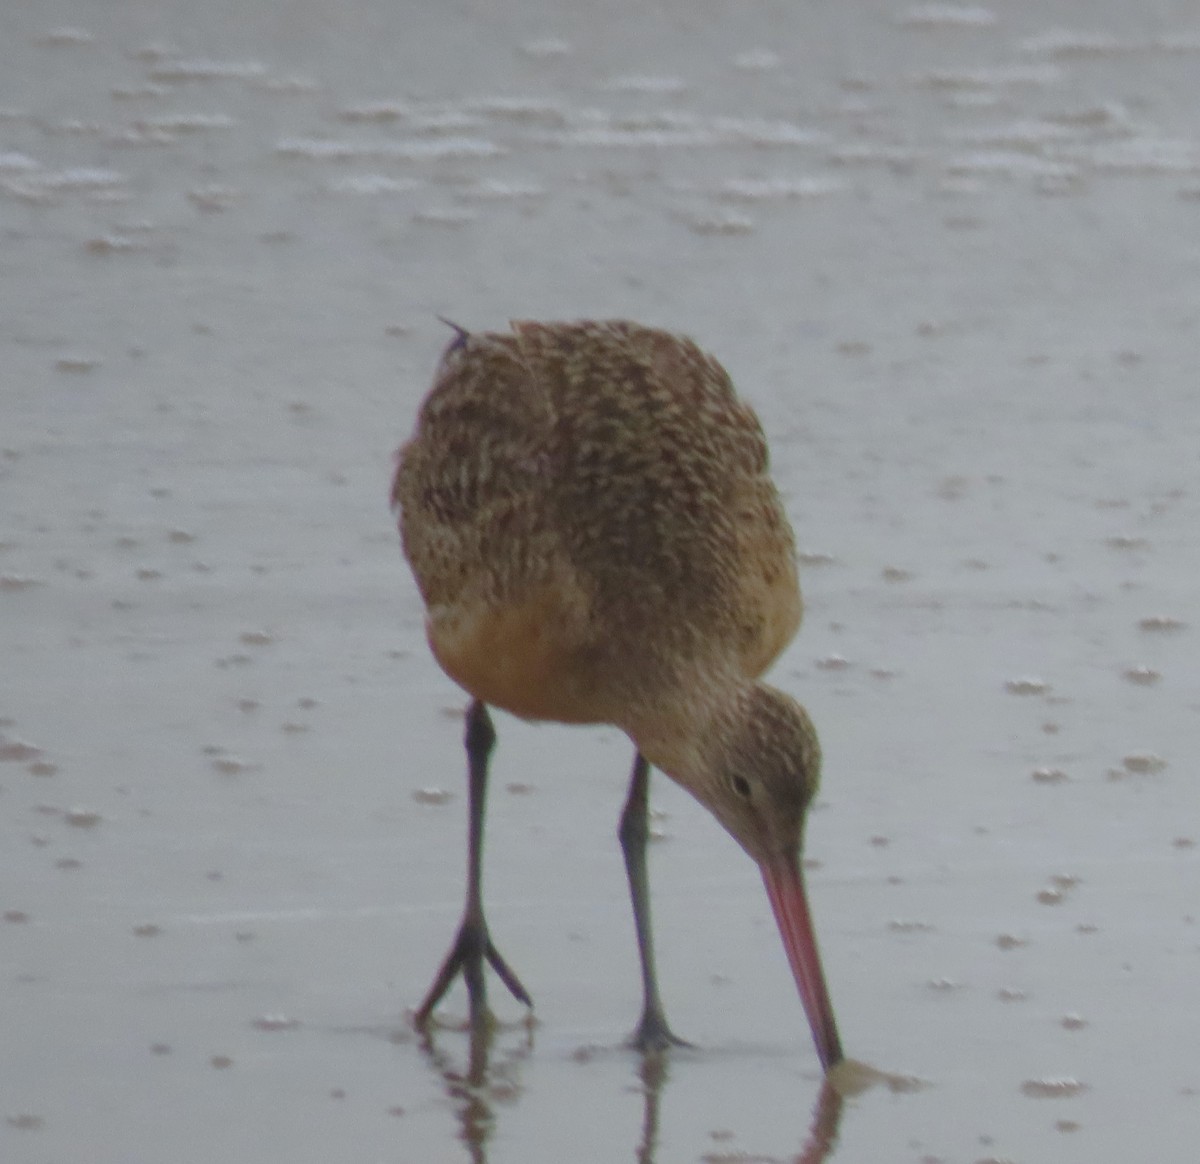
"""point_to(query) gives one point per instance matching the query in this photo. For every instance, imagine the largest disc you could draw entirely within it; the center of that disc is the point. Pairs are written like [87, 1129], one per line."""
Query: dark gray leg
[652, 1033]
[473, 945]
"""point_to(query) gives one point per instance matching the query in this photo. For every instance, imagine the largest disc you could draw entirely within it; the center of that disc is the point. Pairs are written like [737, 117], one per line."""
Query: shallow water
[947, 251]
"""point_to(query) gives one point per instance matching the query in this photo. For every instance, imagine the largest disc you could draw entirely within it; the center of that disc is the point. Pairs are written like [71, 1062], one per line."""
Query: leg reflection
[490, 1078]
[822, 1134]
[653, 1074]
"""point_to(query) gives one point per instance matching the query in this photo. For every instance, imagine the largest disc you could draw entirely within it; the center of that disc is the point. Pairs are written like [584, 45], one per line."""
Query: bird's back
[588, 513]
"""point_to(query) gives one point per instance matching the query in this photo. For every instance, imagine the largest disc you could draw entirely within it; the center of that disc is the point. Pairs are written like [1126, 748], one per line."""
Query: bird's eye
[741, 786]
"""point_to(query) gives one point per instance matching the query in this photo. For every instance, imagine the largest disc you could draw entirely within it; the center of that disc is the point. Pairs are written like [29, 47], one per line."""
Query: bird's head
[763, 769]
[757, 770]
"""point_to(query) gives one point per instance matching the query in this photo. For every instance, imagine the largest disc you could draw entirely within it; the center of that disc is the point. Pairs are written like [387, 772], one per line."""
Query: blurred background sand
[951, 254]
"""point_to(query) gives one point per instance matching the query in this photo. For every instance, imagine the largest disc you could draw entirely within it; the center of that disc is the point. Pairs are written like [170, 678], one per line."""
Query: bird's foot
[653, 1036]
[471, 949]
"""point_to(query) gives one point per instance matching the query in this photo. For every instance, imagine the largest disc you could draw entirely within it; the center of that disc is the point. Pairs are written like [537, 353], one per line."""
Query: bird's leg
[652, 1033]
[473, 945]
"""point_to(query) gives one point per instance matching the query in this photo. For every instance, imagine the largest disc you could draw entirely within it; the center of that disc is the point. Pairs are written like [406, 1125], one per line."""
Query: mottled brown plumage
[602, 483]
[588, 513]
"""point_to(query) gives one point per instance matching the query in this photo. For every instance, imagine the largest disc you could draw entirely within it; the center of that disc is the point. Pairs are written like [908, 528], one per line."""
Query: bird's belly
[519, 659]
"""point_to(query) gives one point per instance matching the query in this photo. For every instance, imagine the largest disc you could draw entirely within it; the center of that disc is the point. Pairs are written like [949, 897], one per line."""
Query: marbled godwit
[589, 516]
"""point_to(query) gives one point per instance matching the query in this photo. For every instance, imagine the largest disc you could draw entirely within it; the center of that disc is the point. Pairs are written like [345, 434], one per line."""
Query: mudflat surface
[951, 255]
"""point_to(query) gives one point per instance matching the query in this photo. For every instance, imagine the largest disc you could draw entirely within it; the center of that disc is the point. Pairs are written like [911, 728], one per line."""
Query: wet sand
[948, 252]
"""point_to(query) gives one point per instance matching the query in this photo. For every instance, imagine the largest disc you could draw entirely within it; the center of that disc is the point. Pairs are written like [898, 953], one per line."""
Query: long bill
[784, 880]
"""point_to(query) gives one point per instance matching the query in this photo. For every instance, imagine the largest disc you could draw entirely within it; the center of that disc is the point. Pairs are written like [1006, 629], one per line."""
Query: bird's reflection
[487, 1080]
[491, 1078]
[827, 1121]
[653, 1074]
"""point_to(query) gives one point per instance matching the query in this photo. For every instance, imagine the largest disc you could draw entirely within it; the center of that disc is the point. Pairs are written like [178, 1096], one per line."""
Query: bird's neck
[680, 733]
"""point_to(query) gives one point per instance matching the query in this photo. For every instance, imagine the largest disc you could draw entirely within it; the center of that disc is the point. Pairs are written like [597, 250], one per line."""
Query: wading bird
[589, 516]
